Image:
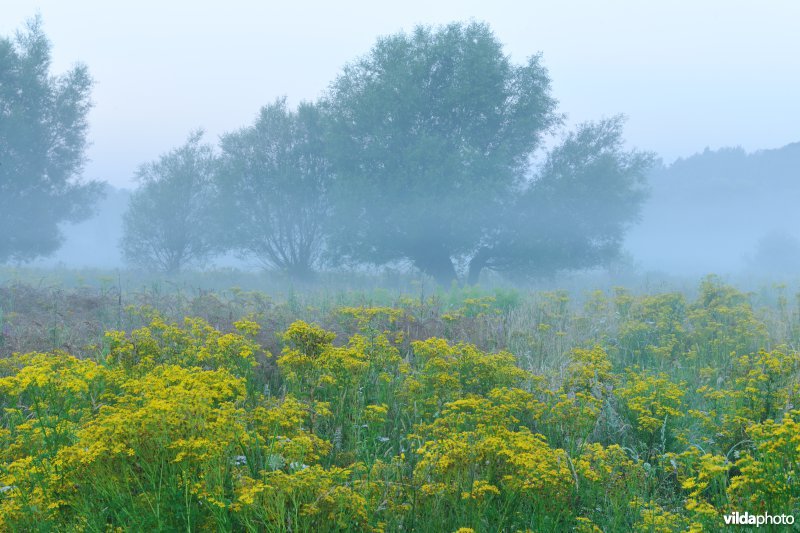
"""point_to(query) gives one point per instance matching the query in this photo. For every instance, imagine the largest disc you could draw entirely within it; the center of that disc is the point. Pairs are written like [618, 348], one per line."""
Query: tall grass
[470, 409]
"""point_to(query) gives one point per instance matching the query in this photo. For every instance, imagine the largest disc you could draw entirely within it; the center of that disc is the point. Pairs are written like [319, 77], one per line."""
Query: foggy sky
[687, 74]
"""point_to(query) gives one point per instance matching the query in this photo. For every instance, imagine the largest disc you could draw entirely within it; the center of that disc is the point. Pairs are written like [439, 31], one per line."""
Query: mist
[343, 178]
[713, 212]
[723, 211]
[429, 266]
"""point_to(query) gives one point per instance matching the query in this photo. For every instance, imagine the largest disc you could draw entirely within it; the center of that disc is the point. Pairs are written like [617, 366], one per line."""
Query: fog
[416, 266]
[712, 212]
[700, 176]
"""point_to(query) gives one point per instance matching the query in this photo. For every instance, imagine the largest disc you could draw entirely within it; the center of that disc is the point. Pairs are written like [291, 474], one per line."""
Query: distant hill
[709, 212]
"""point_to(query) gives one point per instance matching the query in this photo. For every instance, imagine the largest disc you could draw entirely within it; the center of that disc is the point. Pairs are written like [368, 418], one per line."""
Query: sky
[687, 74]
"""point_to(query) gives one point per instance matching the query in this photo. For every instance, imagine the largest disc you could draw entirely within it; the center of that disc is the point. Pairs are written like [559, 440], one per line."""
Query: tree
[574, 212]
[170, 223]
[431, 135]
[275, 179]
[43, 129]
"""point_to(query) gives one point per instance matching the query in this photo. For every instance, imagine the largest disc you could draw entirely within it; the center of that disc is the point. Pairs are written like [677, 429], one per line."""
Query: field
[167, 408]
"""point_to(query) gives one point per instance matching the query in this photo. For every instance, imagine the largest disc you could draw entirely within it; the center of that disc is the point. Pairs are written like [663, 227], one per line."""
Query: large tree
[431, 135]
[43, 125]
[171, 221]
[275, 178]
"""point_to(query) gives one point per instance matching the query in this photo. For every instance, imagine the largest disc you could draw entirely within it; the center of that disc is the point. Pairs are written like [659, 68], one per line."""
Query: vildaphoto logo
[746, 519]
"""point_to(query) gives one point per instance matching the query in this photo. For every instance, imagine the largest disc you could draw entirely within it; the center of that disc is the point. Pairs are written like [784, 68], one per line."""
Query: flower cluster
[644, 413]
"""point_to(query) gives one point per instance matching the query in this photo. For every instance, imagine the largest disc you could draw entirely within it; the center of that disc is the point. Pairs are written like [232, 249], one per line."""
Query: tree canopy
[171, 218]
[430, 135]
[274, 179]
[574, 211]
[43, 126]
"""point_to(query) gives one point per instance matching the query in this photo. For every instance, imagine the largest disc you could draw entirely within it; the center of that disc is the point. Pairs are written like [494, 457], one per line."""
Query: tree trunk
[477, 264]
[302, 273]
[437, 264]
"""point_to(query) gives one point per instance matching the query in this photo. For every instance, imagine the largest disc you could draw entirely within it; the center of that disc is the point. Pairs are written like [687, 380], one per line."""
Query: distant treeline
[723, 210]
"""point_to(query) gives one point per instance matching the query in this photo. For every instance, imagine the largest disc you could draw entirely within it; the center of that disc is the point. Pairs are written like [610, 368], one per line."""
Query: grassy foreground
[468, 411]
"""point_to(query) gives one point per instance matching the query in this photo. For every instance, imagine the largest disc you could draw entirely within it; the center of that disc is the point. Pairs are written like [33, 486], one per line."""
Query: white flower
[275, 461]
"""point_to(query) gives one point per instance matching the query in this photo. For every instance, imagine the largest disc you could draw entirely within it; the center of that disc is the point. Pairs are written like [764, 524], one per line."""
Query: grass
[356, 408]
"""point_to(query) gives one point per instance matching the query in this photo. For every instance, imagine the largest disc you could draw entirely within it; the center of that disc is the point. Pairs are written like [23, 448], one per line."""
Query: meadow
[167, 408]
